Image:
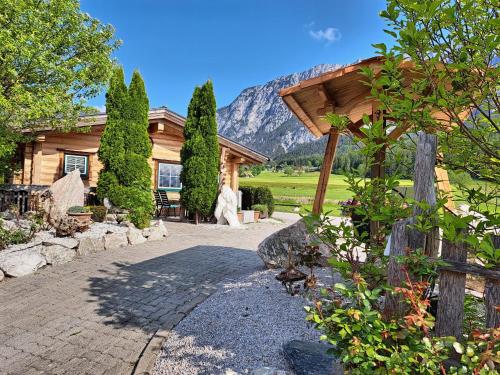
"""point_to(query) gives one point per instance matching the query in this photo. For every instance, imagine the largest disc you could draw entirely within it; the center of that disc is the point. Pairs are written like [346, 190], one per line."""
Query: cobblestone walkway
[95, 315]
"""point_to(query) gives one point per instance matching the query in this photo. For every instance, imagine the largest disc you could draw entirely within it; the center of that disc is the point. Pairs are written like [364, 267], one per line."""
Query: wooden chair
[166, 202]
[160, 204]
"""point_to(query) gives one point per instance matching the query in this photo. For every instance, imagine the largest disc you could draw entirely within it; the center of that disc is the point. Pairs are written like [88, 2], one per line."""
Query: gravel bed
[241, 327]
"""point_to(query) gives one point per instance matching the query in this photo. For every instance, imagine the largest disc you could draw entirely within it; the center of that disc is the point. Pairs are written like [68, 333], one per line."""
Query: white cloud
[329, 35]
[101, 108]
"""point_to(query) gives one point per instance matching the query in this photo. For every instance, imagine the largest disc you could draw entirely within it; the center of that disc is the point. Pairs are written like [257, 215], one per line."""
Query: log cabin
[53, 154]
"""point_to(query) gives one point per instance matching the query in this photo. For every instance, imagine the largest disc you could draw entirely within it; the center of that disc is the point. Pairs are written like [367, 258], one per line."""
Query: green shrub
[98, 213]
[261, 208]
[263, 195]
[78, 210]
[15, 237]
[252, 195]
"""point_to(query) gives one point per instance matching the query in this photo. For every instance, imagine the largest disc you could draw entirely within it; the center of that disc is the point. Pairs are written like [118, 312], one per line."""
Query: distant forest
[349, 159]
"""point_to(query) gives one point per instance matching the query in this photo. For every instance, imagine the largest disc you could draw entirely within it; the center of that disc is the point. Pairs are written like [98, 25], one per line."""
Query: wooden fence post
[425, 191]
[492, 295]
[450, 312]
[394, 305]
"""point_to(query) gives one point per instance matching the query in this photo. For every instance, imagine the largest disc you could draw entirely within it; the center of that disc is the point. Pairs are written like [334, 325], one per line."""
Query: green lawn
[301, 189]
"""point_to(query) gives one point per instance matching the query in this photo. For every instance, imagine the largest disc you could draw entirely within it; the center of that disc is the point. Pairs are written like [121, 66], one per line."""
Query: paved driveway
[96, 314]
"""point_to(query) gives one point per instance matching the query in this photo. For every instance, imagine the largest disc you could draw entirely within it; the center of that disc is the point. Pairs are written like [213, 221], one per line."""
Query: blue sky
[178, 44]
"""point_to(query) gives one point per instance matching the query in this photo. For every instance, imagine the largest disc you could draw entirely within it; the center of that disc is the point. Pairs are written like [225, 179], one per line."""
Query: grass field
[301, 189]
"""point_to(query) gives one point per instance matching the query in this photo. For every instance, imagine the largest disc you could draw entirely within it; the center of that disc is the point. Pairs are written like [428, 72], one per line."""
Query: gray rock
[157, 231]
[9, 224]
[58, 254]
[89, 245]
[2, 276]
[67, 242]
[35, 242]
[110, 218]
[311, 358]
[274, 249]
[115, 240]
[135, 236]
[21, 262]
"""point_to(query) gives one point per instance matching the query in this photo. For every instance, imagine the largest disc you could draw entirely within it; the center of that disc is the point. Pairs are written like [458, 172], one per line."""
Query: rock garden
[61, 229]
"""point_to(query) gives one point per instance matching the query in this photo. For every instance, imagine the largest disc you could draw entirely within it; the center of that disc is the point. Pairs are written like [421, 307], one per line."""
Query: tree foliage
[53, 58]
[200, 153]
[455, 48]
[125, 148]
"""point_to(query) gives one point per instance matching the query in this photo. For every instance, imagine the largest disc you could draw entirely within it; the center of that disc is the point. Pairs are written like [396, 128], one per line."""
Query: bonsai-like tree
[200, 154]
[125, 148]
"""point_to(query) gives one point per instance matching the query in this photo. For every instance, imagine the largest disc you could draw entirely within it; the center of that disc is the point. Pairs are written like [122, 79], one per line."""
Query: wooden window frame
[65, 153]
[157, 171]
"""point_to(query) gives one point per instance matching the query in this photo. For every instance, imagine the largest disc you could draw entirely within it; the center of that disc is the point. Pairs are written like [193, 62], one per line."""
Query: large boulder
[2, 275]
[67, 242]
[274, 249]
[157, 231]
[115, 240]
[89, 245]
[135, 236]
[63, 194]
[58, 254]
[311, 358]
[21, 262]
[227, 207]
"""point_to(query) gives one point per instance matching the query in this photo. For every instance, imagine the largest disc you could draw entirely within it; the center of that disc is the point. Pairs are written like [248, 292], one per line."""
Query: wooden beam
[398, 131]
[444, 187]
[355, 129]
[326, 170]
[36, 166]
[304, 117]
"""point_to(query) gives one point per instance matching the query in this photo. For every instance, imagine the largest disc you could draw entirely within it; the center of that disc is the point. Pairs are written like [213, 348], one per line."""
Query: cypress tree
[125, 148]
[112, 144]
[200, 153]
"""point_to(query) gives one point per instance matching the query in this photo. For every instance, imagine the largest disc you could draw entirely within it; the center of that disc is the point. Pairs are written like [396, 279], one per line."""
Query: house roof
[165, 114]
[344, 92]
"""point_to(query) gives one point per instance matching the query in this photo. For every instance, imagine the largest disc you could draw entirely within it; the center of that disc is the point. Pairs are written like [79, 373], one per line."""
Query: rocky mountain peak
[258, 117]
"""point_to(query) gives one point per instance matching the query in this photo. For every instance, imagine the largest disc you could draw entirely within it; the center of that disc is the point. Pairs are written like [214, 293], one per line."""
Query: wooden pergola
[344, 92]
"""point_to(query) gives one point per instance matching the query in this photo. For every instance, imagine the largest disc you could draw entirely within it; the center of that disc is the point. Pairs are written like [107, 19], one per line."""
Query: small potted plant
[261, 211]
[82, 214]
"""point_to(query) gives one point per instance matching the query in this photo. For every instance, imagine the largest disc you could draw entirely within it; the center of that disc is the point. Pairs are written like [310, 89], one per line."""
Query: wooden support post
[326, 170]
[492, 295]
[425, 191]
[377, 171]
[222, 167]
[235, 175]
[450, 311]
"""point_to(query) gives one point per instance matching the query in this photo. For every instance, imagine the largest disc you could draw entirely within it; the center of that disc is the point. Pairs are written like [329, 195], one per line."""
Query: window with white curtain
[80, 162]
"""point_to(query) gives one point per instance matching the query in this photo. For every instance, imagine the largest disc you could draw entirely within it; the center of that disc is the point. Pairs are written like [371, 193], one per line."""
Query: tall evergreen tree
[200, 153]
[125, 148]
[112, 144]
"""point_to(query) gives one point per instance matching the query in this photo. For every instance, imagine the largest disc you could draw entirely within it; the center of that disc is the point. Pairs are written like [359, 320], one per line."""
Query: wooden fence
[20, 196]
[452, 277]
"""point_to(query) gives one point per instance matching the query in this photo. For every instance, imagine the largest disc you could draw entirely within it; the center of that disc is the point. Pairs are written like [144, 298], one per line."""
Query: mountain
[258, 117]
